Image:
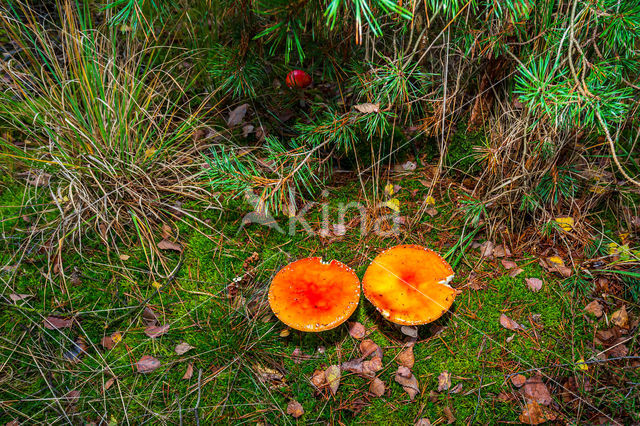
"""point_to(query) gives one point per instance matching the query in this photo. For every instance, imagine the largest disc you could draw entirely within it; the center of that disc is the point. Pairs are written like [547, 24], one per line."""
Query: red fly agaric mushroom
[312, 295]
[298, 79]
[409, 285]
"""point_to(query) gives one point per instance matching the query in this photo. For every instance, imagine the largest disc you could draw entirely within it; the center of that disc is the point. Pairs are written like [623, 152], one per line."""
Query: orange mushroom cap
[409, 285]
[311, 295]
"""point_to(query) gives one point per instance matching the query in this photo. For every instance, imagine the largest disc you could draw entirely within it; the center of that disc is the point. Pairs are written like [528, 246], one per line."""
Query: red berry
[298, 79]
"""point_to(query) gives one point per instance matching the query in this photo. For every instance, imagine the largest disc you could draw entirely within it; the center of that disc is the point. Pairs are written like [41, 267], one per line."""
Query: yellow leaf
[582, 365]
[565, 223]
[393, 204]
[555, 259]
[149, 152]
[597, 189]
[388, 189]
[430, 201]
[156, 285]
[623, 236]
[612, 248]
[116, 337]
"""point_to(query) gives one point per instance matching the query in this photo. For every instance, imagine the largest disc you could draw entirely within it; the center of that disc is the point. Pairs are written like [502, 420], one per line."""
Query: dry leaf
[431, 211]
[55, 323]
[450, 417]
[183, 348]
[147, 364]
[319, 379]
[508, 323]
[534, 284]
[124, 257]
[534, 414]
[501, 251]
[486, 249]
[377, 387]
[409, 331]
[357, 330]
[594, 308]
[408, 381]
[149, 316]
[154, 331]
[406, 357]
[566, 223]
[516, 272]
[367, 108]
[332, 375]
[534, 389]
[456, 389]
[363, 368]
[444, 381]
[509, 264]
[423, 422]
[409, 166]
[266, 374]
[108, 342]
[294, 408]
[169, 245]
[518, 380]
[620, 317]
[368, 347]
[17, 297]
[189, 373]
[237, 115]
[109, 383]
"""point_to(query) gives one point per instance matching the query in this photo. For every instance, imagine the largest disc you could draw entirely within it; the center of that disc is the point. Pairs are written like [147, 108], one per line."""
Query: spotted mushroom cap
[409, 285]
[312, 295]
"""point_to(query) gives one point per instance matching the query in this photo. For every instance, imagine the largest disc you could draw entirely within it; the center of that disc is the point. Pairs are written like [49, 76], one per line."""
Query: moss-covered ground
[244, 366]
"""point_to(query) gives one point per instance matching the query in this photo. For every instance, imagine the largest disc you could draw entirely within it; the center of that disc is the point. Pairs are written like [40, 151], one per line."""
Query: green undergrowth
[244, 367]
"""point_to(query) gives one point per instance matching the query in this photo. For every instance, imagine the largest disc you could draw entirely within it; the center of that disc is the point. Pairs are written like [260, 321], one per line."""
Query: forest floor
[241, 365]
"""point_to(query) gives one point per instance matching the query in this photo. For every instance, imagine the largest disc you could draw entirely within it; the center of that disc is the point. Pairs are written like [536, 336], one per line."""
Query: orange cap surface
[409, 284]
[311, 295]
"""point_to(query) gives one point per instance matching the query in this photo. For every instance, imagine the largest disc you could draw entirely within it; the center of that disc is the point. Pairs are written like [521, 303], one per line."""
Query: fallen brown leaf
[501, 251]
[444, 381]
[594, 308]
[534, 284]
[154, 331]
[367, 108]
[534, 414]
[109, 383]
[408, 381]
[516, 272]
[237, 115]
[486, 249]
[363, 368]
[423, 422]
[406, 357]
[298, 356]
[183, 348]
[169, 245]
[17, 297]
[534, 389]
[149, 316]
[294, 408]
[368, 347]
[508, 264]
[449, 413]
[620, 317]
[319, 379]
[508, 323]
[377, 387]
[357, 330]
[188, 374]
[147, 364]
[518, 380]
[55, 323]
